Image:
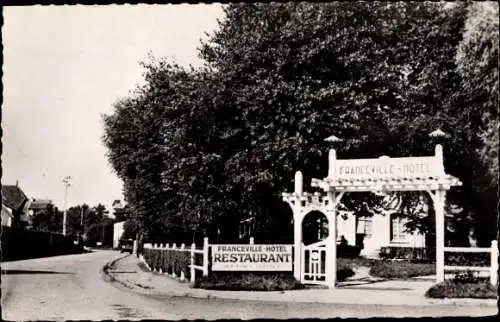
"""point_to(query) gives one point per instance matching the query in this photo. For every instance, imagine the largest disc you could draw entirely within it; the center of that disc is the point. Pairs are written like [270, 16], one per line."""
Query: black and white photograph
[283, 160]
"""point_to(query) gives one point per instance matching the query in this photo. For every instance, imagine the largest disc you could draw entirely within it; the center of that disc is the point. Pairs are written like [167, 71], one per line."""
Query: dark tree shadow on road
[29, 272]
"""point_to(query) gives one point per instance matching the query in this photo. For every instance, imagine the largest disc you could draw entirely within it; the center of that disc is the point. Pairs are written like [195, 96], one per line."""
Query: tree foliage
[48, 219]
[92, 223]
[477, 60]
[199, 150]
[477, 63]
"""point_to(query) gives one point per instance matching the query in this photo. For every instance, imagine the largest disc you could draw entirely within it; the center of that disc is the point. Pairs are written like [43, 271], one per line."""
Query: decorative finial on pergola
[438, 133]
[333, 138]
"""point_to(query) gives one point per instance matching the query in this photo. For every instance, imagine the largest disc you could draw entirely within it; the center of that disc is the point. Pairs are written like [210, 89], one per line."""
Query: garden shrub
[462, 288]
[466, 277]
[395, 269]
[467, 259]
[420, 254]
[344, 271]
[408, 253]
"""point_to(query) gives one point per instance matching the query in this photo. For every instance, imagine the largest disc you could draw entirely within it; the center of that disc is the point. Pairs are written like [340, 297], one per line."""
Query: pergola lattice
[383, 174]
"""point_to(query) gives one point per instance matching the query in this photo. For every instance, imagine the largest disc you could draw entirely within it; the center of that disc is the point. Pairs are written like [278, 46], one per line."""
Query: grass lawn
[260, 281]
[249, 282]
[481, 289]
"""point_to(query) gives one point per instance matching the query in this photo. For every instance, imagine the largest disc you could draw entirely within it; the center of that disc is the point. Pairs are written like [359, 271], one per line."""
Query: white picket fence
[192, 250]
[493, 268]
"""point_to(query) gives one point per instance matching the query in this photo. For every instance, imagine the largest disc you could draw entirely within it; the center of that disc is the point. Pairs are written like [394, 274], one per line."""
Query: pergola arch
[371, 175]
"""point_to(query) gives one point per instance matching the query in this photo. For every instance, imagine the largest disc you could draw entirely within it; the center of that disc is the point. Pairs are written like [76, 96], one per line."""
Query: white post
[167, 245]
[297, 226]
[494, 263]
[297, 240]
[205, 256]
[251, 241]
[174, 246]
[183, 246]
[331, 245]
[299, 183]
[438, 152]
[332, 157]
[193, 271]
[440, 228]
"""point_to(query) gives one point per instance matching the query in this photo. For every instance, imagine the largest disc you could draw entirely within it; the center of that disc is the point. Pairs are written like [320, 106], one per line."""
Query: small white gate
[314, 260]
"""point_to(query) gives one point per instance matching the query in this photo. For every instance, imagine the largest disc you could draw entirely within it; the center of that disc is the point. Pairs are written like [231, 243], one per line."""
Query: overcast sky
[63, 67]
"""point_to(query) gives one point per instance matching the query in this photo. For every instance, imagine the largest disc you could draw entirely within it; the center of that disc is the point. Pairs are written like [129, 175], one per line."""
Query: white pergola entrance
[359, 175]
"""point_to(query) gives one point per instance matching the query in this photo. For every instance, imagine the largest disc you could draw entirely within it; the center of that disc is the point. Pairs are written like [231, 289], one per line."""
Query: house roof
[13, 197]
[38, 204]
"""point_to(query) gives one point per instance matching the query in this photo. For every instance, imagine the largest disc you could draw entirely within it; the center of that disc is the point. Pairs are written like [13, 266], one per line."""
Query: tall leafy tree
[477, 63]
[296, 73]
[198, 150]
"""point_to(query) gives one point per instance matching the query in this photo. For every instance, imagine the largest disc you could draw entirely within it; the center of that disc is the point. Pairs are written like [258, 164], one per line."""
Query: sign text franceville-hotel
[403, 167]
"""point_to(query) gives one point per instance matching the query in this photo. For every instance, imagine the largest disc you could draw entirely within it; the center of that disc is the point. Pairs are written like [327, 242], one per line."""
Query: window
[364, 226]
[398, 234]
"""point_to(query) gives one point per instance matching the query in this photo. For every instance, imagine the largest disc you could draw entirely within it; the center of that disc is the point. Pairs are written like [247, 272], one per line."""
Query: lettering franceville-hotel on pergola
[405, 169]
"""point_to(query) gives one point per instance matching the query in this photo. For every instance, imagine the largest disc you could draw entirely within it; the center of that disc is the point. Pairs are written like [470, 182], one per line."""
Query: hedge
[19, 244]
[169, 261]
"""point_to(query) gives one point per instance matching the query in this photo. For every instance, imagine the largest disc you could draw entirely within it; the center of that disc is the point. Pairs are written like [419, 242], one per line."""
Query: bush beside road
[453, 288]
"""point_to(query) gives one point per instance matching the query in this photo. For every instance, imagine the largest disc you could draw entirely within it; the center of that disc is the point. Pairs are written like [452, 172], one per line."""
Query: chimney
[17, 183]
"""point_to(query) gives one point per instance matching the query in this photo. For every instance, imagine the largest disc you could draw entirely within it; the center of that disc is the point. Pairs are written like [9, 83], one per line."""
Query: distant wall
[20, 244]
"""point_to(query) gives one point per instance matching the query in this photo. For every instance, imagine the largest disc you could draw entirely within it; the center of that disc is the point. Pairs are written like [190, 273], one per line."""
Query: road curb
[112, 279]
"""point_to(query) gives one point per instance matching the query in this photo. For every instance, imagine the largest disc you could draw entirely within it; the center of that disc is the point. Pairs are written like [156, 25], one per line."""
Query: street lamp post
[67, 184]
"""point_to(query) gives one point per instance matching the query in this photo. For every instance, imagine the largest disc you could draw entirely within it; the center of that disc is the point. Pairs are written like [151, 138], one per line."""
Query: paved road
[73, 288]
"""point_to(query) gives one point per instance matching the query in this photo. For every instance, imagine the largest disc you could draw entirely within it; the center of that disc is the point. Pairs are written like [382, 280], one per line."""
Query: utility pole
[82, 230]
[67, 184]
